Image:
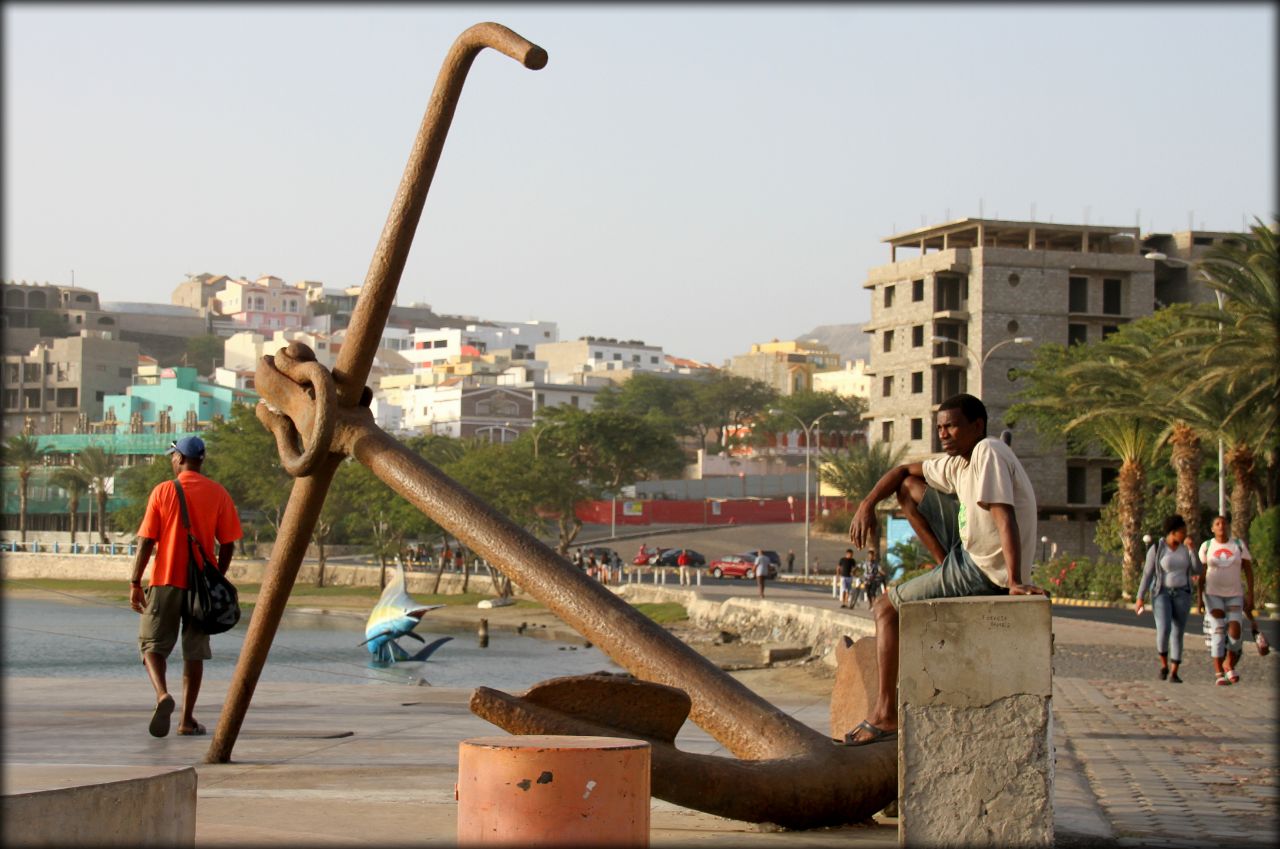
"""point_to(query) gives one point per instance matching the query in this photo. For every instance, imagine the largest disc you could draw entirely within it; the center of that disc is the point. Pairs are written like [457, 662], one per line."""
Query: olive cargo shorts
[161, 619]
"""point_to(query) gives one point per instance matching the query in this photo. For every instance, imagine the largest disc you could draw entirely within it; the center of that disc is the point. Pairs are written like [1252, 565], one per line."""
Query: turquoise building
[179, 391]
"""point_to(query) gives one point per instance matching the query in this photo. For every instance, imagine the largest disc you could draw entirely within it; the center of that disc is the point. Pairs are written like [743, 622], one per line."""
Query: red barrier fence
[713, 511]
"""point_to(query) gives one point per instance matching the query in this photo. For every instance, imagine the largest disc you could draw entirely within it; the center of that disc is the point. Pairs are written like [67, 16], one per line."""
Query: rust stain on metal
[785, 772]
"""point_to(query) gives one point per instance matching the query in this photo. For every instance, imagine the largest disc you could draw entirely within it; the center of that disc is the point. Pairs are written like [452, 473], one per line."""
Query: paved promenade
[1140, 762]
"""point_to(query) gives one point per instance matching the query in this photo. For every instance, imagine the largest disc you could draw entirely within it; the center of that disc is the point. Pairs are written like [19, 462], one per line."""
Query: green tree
[855, 472]
[203, 353]
[667, 402]
[134, 485]
[24, 453]
[728, 403]
[1101, 393]
[608, 448]
[73, 481]
[242, 456]
[98, 466]
[381, 518]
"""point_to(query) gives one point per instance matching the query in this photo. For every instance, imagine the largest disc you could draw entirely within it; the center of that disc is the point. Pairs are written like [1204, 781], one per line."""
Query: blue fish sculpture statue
[396, 615]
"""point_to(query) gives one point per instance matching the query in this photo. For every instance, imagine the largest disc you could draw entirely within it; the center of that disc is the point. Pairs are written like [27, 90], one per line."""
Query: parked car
[669, 556]
[647, 557]
[739, 566]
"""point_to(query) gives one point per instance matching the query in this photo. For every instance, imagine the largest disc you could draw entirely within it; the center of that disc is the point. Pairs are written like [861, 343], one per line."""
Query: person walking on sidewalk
[682, 560]
[974, 510]
[791, 561]
[761, 569]
[1223, 558]
[1170, 573]
[213, 517]
[845, 570]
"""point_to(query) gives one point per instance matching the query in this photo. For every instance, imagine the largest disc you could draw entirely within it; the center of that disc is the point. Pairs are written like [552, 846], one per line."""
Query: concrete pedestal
[548, 790]
[93, 805]
[975, 759]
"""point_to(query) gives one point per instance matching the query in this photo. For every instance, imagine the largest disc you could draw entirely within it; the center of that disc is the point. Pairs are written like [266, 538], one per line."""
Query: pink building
[265, 304]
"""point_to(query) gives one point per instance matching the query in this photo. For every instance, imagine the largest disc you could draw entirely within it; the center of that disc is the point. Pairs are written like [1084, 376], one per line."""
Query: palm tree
[1103, 393]
[1244, 438]
[72, 480]
[854, 473]
[98, 466]
[25, 453]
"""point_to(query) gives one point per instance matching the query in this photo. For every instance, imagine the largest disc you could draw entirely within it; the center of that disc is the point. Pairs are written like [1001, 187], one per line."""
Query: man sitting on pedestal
[974, 510]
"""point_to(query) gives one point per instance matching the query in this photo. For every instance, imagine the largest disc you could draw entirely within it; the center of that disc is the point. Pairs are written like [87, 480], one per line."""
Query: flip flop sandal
[160, 718]
[1223, 681]
[198, 731]
[877, 735]
[1234, 676]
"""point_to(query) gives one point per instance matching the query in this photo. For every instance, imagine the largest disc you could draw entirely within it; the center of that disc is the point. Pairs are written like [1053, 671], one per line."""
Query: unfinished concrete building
[962, 305]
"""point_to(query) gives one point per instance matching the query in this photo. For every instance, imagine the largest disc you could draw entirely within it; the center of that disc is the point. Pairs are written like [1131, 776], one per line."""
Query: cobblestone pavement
[1174, 766]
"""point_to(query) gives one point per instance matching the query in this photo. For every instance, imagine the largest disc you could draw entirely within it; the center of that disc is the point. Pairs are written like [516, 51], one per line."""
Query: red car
[738, 566]
[647, 556]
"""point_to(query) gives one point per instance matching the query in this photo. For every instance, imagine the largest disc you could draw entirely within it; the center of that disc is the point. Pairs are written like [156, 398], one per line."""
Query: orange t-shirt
[213, 516]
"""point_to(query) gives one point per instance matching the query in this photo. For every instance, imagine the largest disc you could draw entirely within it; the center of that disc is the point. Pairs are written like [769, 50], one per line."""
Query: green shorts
[958, 575]
[161, 620]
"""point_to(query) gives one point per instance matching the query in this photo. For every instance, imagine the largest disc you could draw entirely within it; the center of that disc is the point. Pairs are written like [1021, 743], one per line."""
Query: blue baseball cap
[188, 446]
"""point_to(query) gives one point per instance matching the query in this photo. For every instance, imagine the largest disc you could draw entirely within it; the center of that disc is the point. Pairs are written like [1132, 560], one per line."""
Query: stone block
[975, 758]
[94, 805]
[855, 690]
[782, 653]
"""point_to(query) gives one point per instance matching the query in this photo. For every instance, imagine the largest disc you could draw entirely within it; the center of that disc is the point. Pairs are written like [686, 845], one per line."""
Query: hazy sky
[700, 178]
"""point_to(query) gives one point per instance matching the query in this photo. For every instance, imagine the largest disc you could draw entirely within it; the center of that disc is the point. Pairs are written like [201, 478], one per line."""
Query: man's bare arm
[225, 550]
[140, 561]
[863, 528]
[1010, 541]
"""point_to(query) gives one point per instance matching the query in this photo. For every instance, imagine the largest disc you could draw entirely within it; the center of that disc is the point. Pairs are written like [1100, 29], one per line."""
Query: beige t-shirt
[991, 475]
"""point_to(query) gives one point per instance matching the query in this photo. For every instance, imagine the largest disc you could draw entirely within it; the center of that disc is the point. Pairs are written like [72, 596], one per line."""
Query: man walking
[213, 517]
[974, 510]
[844, 569]
[683, 562]
[791, 561]
[762, 569]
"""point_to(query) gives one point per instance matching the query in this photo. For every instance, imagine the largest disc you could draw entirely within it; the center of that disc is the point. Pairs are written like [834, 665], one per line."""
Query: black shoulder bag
[211, 602]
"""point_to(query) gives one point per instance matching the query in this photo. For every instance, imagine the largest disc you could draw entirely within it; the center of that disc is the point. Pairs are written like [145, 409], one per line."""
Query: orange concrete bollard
[550, 790]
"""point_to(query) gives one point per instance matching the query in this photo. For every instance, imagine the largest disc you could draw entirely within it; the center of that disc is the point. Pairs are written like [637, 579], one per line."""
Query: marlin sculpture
[396, 615]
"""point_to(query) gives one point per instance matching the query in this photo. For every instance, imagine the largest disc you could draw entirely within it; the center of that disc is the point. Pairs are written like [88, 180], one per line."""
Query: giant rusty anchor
[783, 771]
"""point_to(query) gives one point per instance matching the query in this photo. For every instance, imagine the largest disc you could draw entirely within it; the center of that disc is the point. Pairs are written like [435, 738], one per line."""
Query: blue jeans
[1171, 608]
[958, 575]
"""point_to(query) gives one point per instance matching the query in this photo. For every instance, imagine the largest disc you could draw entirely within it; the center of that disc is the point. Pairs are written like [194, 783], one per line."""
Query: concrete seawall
[105, 567]
[761, 621]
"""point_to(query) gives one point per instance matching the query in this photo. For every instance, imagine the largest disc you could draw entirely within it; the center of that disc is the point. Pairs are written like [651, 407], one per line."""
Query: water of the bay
[88, 638]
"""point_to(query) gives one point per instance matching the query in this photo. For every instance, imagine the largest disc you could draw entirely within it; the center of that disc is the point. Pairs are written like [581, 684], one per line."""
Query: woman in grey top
[1170, 573]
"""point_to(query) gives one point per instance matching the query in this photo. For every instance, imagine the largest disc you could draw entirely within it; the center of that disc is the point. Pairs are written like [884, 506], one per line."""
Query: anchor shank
[746, 724]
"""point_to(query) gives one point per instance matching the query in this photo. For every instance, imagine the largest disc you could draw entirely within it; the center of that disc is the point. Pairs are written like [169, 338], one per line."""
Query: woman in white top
[1225, 597]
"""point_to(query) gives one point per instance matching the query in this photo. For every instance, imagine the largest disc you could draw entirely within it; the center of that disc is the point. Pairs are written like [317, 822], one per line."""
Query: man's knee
[911, 492]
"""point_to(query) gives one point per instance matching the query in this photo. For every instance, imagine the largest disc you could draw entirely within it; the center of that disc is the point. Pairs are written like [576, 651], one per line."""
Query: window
[1077, 334]
[1108, 329]
[31, 399]
[917, 291]
[1108, 487]
[917, 384]
[98, 396]
[126, 373]
[653, 360]
[11, 399]
[888, 296]
[11, 372]
[886, 431]
[1111, 296]
[635, 358]
[439, 343]
[599, 355]
[886, 386]
[1077, 294]
[888, 341]
[1077, 478]
[30, 372]
[573, 400]
[617, 356]
[68, 397]
[917, 429]
[917, 336]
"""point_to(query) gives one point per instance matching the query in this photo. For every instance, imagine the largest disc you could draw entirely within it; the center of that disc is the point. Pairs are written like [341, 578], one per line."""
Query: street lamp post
[982, 361]
[808, 452]
[1157, 256]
